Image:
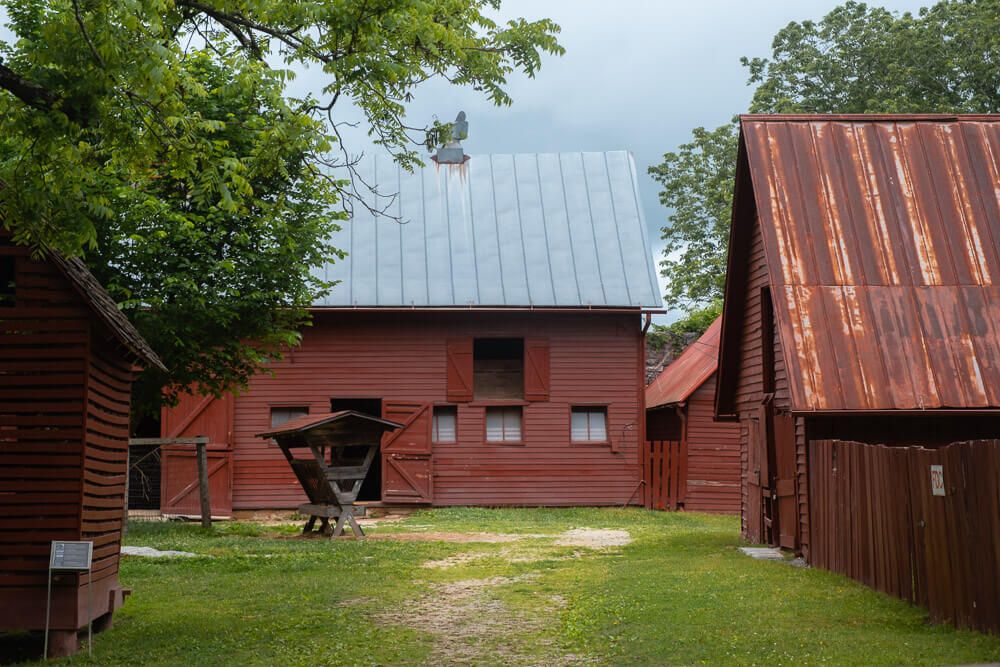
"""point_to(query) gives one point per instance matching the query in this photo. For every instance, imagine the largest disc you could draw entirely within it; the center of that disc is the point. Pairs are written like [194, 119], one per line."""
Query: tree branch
[29, 92]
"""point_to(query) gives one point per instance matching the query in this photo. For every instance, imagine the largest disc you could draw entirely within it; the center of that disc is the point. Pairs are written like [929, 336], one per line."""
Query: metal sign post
[71, 557]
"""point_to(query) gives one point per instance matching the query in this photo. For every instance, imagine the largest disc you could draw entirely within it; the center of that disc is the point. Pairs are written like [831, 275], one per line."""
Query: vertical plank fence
[664, 463]
[877, 517]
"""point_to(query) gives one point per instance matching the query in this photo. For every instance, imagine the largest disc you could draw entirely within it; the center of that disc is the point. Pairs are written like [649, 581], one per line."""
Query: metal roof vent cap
[451, 152]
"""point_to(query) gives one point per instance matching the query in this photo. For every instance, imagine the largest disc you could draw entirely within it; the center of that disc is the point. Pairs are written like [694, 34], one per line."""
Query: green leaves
[697, 183]
[857, 59]
[155, 138]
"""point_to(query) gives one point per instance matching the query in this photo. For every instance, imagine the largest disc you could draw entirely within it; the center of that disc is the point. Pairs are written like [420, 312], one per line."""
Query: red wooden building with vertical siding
[861, 298]
[67, 359]
[498, 315]
[680, 407]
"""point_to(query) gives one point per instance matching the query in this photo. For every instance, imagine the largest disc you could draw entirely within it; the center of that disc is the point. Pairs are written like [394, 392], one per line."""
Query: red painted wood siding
[64, 420]
[713, 456]
[749, 391]
[593, 359]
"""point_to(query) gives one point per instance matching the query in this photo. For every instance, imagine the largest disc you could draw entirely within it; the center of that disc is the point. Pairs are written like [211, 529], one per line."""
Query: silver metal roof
[501, 230]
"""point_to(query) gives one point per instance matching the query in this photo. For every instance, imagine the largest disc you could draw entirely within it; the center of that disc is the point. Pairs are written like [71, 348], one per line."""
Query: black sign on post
[71, 556]
[68, 556]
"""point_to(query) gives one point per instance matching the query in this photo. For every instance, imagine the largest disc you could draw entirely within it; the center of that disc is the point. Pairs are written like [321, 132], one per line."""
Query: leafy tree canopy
[857, 59]
[156, 138]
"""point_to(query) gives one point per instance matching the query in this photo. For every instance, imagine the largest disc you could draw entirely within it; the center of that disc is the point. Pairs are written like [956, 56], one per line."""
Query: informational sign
[71, 556]
[937, 480]
[68, 556]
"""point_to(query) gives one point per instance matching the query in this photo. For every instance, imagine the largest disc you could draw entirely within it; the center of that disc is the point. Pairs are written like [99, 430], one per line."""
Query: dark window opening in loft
[498, 368]
[7, 286]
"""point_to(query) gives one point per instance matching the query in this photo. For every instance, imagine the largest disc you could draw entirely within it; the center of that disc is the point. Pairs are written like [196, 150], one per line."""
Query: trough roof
[311, 422]
[686, 373]
[546, 229]
[882, 240]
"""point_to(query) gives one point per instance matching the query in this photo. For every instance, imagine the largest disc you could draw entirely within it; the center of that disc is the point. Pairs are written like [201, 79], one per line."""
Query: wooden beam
[206, 505]
[195, 440]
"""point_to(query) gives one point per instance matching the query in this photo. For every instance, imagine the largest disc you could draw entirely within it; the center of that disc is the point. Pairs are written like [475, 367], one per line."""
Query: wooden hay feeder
[335, 452]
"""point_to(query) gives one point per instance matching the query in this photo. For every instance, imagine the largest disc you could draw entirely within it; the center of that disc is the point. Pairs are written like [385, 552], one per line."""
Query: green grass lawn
[679, 594]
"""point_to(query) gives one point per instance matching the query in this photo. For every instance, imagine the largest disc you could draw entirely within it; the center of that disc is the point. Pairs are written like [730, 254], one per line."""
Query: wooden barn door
[197, 416]
[406, 454]
[783, 441]
[757, 476]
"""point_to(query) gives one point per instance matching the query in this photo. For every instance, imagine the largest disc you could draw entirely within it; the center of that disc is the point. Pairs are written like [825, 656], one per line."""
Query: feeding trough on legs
[331, 455]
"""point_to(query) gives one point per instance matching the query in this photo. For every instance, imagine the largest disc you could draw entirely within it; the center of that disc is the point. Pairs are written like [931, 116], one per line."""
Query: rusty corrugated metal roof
[688, 371]
[882, 239]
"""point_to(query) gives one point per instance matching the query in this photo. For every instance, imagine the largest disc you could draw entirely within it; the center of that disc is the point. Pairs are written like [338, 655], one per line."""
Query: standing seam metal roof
[544, 229]
[882, 239]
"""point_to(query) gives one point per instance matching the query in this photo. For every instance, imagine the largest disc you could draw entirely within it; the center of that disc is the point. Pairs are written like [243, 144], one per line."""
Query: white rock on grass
[150, 552]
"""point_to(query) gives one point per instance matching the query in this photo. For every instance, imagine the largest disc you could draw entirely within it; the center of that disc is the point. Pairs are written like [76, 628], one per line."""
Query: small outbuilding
[68, 357]
[680, 408]
[862, 308]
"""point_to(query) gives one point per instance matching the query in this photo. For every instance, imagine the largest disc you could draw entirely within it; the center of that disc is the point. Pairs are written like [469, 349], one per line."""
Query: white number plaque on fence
[937, 480]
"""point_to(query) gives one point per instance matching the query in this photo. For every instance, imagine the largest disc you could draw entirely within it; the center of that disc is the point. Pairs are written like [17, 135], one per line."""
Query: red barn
[862, 306]
[67, 359]
[498, 314]
[680, 407]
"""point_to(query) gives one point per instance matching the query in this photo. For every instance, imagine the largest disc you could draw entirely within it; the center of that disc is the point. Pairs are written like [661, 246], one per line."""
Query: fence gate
[664, 463]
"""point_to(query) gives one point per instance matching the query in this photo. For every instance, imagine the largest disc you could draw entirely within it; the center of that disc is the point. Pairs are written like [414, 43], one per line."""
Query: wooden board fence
[878, 517]
[664, 465]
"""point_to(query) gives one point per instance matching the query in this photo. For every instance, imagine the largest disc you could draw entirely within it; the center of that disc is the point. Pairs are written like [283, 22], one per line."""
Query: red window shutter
[536, 369]
[459, 370]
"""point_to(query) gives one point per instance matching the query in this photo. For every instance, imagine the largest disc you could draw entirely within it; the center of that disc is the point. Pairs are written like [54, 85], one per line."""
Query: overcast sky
[637, 75]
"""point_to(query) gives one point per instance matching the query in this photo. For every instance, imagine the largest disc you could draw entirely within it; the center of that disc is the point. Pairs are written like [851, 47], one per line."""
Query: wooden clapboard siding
[592, 359]
[64, 419]
[713, 456]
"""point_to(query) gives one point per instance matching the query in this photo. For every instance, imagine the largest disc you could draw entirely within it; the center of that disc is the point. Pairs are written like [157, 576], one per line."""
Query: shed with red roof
[680, 407]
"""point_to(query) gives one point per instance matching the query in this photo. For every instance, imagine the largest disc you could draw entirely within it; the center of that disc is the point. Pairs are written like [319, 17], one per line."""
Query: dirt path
[468, 619]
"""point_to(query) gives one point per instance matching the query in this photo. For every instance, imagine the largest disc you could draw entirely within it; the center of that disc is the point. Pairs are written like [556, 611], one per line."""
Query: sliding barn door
[406, 454]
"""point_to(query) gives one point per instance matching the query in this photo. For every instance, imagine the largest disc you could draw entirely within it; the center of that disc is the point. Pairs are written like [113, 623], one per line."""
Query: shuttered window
[503, 424]
[589, 424]
[281, 415]
[536, 369]
[445, 424]
[459, 369]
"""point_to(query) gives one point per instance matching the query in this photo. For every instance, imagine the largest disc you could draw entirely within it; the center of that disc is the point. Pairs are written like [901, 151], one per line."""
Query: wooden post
[206, 505]
[128, 473]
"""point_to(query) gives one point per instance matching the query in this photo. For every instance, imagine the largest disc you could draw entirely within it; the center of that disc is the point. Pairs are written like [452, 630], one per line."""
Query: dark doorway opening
[144, 466]
[371, 488]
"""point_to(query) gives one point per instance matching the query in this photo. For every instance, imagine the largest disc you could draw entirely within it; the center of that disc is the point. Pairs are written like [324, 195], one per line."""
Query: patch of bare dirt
[472, 626]
[594, 538]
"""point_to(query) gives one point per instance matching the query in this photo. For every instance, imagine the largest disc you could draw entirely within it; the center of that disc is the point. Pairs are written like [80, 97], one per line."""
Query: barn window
[445, 424]
[589, 424]
[281, 415]
[503, 424]
[7, 286]
[498, 368]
